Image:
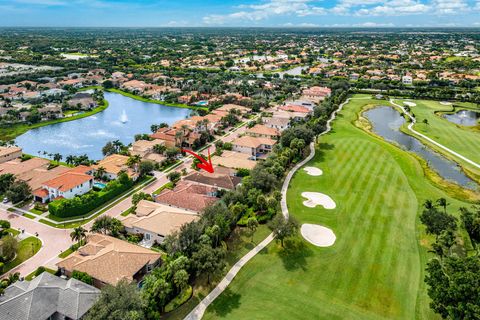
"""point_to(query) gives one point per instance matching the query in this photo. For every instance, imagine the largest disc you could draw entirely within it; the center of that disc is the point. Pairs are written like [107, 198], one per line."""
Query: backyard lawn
[375, 268]
[461, 139]
[27, 248]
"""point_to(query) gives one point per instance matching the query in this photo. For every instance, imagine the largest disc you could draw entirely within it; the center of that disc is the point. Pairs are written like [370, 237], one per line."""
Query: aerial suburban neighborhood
[256, 163]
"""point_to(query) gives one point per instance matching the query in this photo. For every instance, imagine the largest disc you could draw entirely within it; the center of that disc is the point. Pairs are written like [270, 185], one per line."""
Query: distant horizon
[241, 13]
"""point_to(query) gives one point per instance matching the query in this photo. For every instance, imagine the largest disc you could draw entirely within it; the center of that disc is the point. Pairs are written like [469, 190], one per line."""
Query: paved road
[53, 240]
[410, 127]
[56, 240]
[198, 312]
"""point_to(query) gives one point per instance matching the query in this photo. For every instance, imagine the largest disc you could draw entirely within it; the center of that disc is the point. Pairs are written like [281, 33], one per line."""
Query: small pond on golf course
[467, 118]
[386, 122]
[122, 120]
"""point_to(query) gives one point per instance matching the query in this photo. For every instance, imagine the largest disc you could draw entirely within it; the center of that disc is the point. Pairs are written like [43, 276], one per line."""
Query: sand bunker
[410, 103]
[318, 235]
[316, 198]
[313, 171]
[445, 103]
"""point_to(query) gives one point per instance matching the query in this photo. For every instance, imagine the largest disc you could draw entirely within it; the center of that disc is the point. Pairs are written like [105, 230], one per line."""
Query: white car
[5, 200]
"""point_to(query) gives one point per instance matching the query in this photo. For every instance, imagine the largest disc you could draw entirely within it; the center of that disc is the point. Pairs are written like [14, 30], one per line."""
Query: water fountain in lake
[124, 117]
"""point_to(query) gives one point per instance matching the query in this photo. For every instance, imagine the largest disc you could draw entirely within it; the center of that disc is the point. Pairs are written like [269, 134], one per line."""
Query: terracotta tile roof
[42, 193]
[294, 108]
[188, 196]
[162, 219]
[263, 130]
[253, 142]
[9, 150]
[109, 259]
[232, 159]
[221, 178]
[114, 164]
[68, 181]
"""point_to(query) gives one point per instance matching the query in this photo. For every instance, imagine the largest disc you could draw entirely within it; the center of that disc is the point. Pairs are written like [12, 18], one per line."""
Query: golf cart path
[199, 310]
[410, 127]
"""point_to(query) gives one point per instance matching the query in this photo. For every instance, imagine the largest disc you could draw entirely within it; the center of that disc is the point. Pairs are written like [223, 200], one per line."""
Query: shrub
[4, 224]
[81, 205]
[176, 302]
[82, 276]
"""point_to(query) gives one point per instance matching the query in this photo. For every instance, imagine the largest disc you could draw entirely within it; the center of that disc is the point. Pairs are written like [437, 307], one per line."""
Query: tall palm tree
[133, 161]
[100, 173]
[70, 159]
[78, 234]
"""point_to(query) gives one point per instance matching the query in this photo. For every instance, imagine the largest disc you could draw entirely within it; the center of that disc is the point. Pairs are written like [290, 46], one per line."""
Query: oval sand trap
[318, 199]
[313, 171]
[410, 103]
[445, 103]
[318, 235]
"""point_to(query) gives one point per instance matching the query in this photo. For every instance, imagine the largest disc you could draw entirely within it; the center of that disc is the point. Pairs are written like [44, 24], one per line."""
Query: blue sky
[241, 13]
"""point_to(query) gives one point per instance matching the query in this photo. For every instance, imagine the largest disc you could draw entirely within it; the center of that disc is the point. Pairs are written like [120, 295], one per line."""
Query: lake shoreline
[10, 133]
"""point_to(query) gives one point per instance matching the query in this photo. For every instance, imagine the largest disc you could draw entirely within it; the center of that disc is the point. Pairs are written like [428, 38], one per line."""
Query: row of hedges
[65, 208]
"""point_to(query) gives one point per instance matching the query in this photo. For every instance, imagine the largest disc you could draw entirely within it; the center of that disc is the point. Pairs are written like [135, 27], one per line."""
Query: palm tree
[57, 157]
[100, 173]
[70, 159]
[78, 234]
[442, 202]
[133, 161]
[13, 277]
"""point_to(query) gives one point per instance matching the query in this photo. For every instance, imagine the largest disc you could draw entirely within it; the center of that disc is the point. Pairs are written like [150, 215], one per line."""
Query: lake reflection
[387, 121]
[124, 118]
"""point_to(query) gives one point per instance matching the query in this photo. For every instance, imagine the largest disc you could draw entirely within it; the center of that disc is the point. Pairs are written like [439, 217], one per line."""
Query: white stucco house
[67, 185]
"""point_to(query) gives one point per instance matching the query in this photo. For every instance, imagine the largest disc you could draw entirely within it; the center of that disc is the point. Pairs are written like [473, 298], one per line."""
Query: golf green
[375, 268]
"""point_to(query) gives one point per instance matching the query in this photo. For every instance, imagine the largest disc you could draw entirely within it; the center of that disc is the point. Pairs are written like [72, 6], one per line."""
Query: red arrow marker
[205, 165]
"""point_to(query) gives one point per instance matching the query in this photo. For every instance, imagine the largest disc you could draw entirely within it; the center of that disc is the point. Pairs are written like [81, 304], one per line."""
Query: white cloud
[449, 6]
[374, 25]
[394, 8]
[257, 12]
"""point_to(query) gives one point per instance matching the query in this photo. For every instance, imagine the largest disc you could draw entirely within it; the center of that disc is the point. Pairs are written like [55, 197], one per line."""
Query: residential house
[113, 165]
[9, 153]
[47, 297]
[83, 101]
[156, 221]
[189, 196]
[234, 160]
[262, 131]
[256, 147]
[109, 260]
[145, 149]
[280, 123]
[407, 80]
[35, 172]
[68, 185]
[316, 94]
[223, 178]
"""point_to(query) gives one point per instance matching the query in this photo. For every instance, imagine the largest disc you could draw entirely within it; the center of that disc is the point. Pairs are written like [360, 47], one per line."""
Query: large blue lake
[124, 118]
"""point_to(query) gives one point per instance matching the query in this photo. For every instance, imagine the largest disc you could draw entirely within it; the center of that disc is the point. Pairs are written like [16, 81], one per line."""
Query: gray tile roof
[46, 295]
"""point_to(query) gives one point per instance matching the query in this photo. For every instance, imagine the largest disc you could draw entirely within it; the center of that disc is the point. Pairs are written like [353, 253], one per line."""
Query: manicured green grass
[375, 269]
[27, 248]
[13, 232]
[238, 244]
[460, 139]
[11, 132]
[31, 276]
[29, 216]
[37, 212]
[69, 251]
[168, 185]
[127, 212]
